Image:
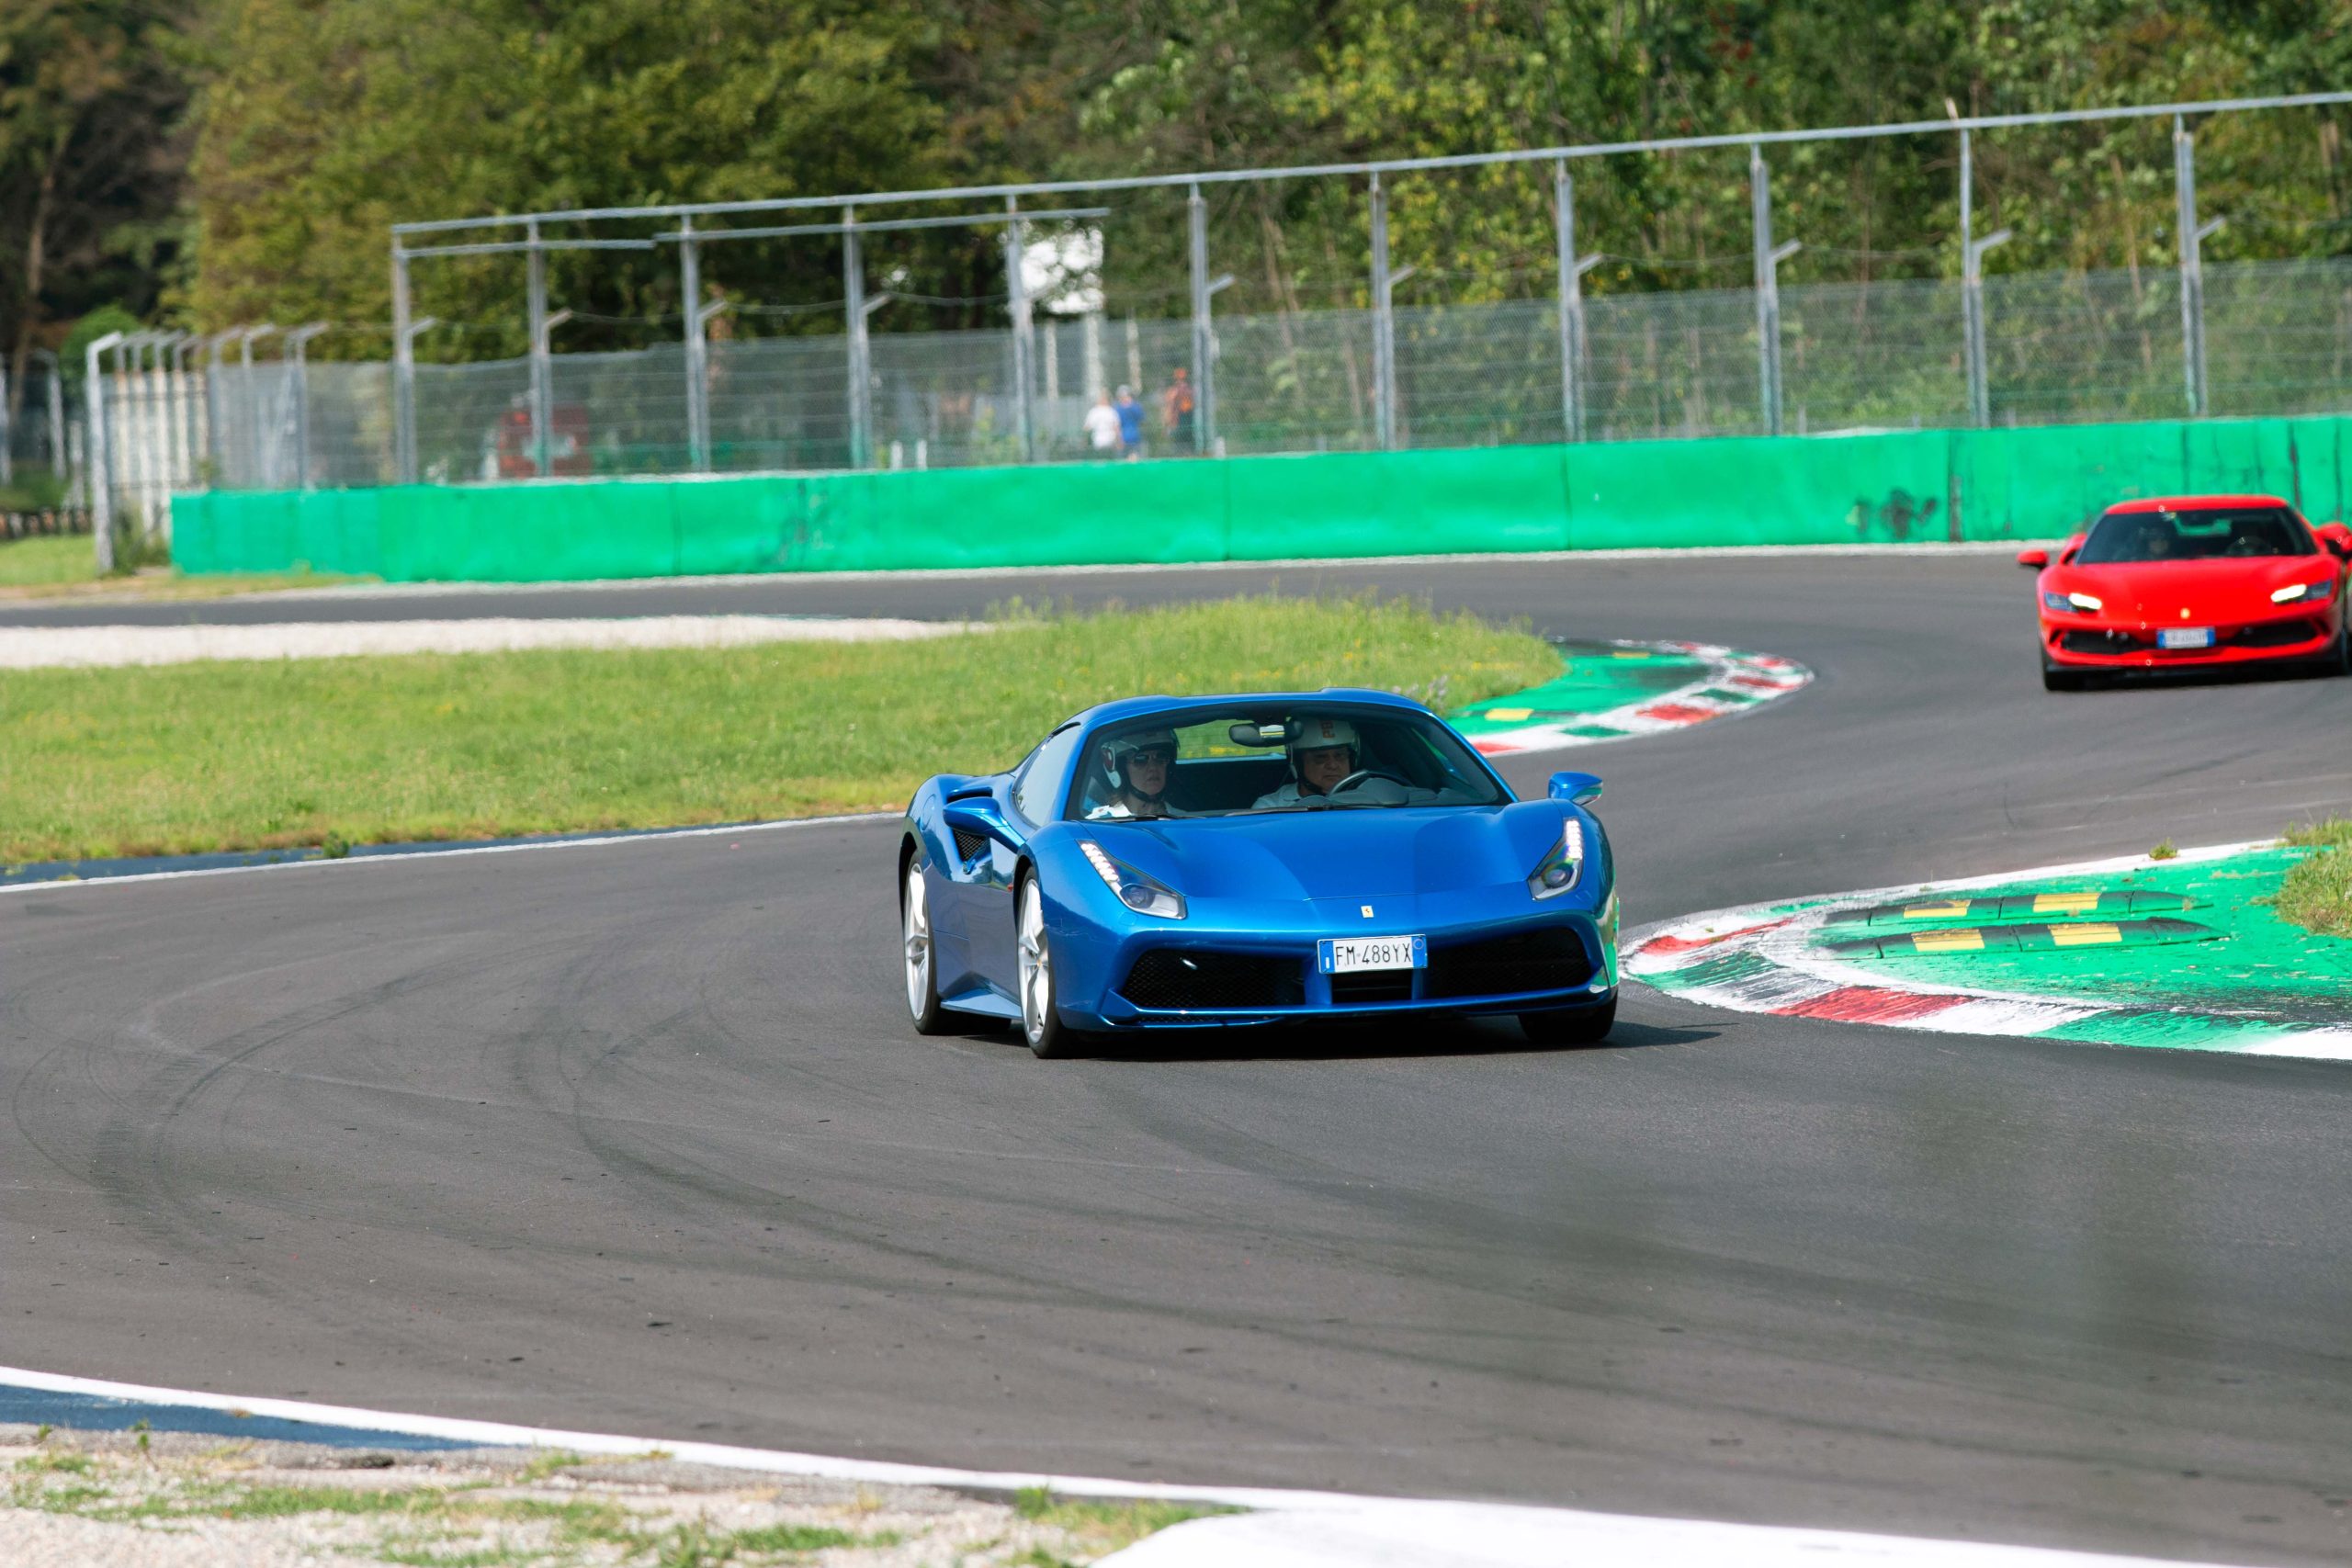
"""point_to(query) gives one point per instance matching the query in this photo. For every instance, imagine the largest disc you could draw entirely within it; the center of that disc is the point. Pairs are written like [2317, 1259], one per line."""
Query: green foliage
[326, 121]
[2316, 893]
[319, 122]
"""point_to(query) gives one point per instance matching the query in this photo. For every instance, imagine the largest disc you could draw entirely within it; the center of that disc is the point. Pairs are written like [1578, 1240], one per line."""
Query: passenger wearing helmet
[1324, 749]
[1133, 781]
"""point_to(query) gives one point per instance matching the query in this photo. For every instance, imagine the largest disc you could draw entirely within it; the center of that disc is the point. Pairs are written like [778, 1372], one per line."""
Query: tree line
[204, 162]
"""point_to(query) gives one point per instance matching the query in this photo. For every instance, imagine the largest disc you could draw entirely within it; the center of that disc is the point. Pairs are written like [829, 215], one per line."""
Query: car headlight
[2090, 602]
[2056, 602]
[2318, 592]
[1144, 894]
[1558, 871]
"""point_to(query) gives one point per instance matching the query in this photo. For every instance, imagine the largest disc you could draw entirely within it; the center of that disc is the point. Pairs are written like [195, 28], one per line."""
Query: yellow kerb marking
[2064, 902]
[1509, 714]
[1955, 911]
[1630, 653]
[2084, 936]
[1948, 941]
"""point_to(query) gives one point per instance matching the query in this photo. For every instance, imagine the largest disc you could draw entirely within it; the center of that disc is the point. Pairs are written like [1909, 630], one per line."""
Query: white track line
[33, 648]
[1294, 1528]
[656, 836]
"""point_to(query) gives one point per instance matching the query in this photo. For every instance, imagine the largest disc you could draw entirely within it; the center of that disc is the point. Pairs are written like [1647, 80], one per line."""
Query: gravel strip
[33, 648]
[170, 1500]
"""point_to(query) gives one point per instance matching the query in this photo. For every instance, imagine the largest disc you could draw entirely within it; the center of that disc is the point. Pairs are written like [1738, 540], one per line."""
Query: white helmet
[1316, 732]
[1118, 748]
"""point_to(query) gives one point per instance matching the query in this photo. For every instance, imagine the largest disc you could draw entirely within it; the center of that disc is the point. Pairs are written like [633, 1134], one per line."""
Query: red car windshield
[2203, 533]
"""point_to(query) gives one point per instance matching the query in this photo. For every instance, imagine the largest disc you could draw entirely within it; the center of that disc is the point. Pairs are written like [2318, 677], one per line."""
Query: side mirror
[2037, 559]
[1576, 787]
[2336, 536]
[979, 815]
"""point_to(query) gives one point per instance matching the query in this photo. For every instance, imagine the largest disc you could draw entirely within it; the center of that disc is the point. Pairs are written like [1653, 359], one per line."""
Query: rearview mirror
[1248, 734]
[1579, 787]
[2034, 559]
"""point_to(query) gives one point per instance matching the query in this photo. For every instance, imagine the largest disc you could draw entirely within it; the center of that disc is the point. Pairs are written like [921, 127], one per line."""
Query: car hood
[2159, 591]
[1353, 854]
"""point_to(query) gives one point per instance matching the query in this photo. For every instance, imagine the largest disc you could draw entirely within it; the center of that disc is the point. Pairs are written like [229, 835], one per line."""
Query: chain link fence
[2060, 347]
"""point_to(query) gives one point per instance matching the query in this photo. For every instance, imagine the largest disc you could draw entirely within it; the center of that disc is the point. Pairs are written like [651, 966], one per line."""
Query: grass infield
[2316, 893]
[188, 758]
[58, 566]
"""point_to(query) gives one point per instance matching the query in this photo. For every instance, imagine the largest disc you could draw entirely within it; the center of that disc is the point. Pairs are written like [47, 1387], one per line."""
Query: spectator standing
[1130, 414]
[1103, 426]
[1176, 412]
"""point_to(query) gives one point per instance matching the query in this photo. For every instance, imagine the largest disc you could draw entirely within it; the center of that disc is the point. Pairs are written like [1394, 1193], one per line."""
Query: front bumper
[1212, 974]
[2097, 642]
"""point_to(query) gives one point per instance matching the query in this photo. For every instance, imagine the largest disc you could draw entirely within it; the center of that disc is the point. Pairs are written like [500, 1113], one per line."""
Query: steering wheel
[1362, 773]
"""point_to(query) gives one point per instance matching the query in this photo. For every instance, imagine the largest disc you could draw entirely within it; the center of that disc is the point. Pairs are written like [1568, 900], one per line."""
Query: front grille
[2098, 642]
[2277, 633]
[1372, 986]
[1170, 978]
[1551, 959]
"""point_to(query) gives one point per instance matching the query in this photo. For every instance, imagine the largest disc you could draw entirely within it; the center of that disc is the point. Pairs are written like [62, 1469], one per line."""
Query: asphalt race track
[636, 1138]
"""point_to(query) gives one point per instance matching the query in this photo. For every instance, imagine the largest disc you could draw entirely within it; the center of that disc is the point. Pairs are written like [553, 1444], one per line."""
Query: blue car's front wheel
[922, 968]
[1041, 1024]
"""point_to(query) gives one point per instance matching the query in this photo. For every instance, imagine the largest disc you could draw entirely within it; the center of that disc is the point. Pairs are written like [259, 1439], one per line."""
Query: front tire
[1041, 1024]
[921, 961]
[2339, 662]
[1588, 1026]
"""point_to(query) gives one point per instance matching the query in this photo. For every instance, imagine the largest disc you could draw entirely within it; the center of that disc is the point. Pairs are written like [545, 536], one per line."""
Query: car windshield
[2203, 533]
[1251, 758]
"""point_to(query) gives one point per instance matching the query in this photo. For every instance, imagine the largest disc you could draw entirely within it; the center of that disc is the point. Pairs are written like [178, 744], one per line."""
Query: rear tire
[1041, 1022]
[1587, 1027]
[921, 961]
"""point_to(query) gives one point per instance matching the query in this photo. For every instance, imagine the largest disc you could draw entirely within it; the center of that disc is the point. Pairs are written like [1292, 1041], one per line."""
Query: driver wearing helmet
[1324, 751]
[1135, 773]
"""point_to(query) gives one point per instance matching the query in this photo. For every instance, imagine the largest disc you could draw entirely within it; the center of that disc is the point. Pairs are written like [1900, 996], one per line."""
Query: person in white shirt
[1136, 768]
[1323, 751]
[1103, 426]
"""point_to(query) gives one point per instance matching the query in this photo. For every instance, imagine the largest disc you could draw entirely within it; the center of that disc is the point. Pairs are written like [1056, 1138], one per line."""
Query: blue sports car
[1164, 862]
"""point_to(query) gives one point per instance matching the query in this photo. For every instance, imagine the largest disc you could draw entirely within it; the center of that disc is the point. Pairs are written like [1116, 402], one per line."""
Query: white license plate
[2185, 636]
[1347, 955]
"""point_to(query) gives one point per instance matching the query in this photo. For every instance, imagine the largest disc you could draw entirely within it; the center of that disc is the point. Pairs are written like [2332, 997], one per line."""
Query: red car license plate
[2185, 636]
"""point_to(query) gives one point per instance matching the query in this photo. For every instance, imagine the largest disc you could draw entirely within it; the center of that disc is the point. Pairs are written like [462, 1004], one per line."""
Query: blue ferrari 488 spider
[1167, 862]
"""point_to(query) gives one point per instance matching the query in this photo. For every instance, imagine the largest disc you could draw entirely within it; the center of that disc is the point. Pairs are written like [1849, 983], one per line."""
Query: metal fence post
[101, 488]
[542, 391]
[246, 338]
[403, 373]
[1980, 369]
[697, 384]
[1768, 291]
[7, 435]
[212, 379]
[56, 389]
[1017, 301]
[2193, 269]
[183, 407]
[860, 389]
[1572, 270]
[297, 389]
[1196, 214]
[1384, 345]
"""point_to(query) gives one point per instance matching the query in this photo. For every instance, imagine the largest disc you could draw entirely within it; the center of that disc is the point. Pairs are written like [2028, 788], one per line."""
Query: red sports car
[2193, 581]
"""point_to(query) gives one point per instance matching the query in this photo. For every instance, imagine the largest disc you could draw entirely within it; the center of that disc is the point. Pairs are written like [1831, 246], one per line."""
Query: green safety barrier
[1894, 487]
